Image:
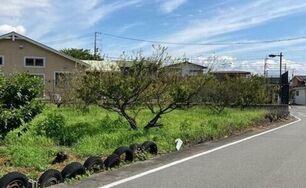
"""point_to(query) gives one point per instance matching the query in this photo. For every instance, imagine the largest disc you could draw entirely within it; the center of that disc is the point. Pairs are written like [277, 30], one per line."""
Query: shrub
[231, 92]
[17, 101]
[53, 126]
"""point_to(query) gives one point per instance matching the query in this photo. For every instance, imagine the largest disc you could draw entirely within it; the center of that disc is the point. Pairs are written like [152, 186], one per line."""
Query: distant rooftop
[231, 72]
[186, 62]
[106, 65]
[300, 77]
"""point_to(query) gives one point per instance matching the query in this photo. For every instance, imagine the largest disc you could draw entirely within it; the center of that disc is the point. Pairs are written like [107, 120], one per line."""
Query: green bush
[18, 90]
[18, 102]
[235, 92]
[53, 126]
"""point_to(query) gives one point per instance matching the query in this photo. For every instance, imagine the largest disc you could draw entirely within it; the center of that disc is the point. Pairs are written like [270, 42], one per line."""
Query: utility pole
[280, 69]
[280, 72]
[265, 67]
[95, 45]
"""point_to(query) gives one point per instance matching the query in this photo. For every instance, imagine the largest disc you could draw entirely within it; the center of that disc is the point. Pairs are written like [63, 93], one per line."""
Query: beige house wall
[14, 53]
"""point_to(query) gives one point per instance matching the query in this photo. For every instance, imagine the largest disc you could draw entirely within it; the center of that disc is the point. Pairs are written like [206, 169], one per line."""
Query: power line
[204, 44]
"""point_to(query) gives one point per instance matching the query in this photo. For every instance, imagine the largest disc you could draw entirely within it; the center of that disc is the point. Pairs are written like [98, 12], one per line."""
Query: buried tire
[49, 178]
[112, 161]
[136, 148]
[94, 164]
[72, 170]
[14, 180]
[129, 154]
[150, 147]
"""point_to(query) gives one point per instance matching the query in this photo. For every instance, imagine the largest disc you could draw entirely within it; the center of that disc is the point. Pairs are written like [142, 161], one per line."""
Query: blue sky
[71, 23]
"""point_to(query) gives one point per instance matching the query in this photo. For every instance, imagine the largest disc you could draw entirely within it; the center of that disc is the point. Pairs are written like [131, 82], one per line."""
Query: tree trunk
[153, 121]
[130, 120]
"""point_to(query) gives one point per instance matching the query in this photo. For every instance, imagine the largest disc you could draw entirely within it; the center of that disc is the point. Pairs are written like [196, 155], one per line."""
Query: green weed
[100, 132]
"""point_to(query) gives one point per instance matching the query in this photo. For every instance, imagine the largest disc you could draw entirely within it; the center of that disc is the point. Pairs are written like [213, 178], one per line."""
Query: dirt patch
[3, 160]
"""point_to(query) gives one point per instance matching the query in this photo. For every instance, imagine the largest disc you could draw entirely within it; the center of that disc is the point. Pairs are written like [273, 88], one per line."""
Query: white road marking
[193, 157]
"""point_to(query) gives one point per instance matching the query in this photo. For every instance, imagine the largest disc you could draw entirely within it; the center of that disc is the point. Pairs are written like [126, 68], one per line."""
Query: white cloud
[9, 28]
[12, 13]
[90, 12]
[169, 6]
[55, 20]
[14, 8]
[127, 27]
[51, 20]
[227, 21]
[255, 66]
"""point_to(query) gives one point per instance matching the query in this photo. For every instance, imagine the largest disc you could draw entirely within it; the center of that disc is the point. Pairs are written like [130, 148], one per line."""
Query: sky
[72, 24]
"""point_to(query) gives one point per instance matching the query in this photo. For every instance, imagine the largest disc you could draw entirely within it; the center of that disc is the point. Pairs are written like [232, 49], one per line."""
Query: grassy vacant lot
[31, 148]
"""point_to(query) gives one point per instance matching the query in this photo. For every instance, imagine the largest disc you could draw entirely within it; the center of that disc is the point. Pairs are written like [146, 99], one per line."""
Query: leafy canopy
[82, 54]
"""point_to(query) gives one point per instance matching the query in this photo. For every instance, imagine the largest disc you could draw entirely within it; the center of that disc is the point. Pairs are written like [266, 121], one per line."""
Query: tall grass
[100, 132]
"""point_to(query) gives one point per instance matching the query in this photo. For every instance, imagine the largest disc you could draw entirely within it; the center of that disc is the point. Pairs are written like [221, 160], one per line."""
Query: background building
[298, 89]
[19, 54]
[187, 68]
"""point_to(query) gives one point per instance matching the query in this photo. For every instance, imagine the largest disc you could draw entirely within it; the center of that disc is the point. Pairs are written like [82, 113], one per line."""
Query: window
[62, 79]
[34, 62]
[29, 62]
[39, 62]
[297, 93]
[1, 60]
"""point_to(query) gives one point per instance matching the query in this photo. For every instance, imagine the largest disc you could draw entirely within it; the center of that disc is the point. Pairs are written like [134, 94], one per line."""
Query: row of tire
[92, 164]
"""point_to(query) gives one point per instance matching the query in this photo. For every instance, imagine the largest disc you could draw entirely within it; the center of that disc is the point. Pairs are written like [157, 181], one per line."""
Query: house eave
[17, 36]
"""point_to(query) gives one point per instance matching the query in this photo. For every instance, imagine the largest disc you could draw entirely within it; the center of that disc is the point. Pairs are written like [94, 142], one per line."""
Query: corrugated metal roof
[106, 65]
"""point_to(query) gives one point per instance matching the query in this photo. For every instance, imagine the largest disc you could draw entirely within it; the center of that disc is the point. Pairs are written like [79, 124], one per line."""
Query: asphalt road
[275, 159]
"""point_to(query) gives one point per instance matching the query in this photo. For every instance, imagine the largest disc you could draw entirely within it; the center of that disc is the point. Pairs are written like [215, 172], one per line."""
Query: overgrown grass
[99, 132]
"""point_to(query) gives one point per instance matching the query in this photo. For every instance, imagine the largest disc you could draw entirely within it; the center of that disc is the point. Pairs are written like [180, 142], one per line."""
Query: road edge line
[196, 156]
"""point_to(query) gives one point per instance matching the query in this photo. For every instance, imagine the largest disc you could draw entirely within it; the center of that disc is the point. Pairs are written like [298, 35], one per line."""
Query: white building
[299, 95]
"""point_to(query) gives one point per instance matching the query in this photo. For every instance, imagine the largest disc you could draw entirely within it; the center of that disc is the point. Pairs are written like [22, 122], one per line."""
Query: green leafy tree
[171, 91]
[117, 90]
[252, 91]
[82, 54]
[18, 102]
[140, 83]
[239, 92]
[217, 94]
